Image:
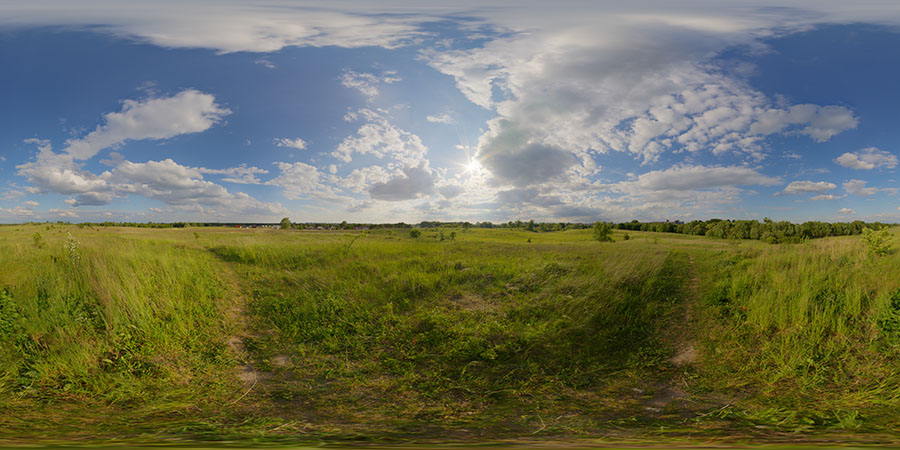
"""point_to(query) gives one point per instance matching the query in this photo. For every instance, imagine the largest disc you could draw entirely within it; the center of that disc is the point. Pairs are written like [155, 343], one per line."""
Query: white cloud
[58, 173]
[266, 63]
[381, 139]
[174, 184]
[30, 203]
[827, 197]
[858, 187]
[867, 159]
[847, 211]
[806, 187]
[681, 178]
[63, 213]
[165, 180]
[301, 180]
[12, 194]
[226, 26]
[297, 143]
[189, 111]
[439, 118]
[679, 189]
[240, 174]
[367, 83]
[642, 85]
[18, 211]
[359, 180]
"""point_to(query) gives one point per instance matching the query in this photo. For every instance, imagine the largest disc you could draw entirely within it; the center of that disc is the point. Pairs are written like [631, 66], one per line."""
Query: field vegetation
[454, 333]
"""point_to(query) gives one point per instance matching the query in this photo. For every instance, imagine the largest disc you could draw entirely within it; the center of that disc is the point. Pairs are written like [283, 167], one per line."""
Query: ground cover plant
[456, 333]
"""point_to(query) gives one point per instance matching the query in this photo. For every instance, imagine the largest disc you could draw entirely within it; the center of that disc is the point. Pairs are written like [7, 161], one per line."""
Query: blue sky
[409, 111]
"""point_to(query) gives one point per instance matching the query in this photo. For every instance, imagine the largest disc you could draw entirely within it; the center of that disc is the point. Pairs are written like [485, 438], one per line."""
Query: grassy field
[271, 336]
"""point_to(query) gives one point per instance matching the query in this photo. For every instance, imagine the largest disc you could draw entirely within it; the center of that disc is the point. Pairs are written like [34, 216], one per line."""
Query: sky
[389, 111]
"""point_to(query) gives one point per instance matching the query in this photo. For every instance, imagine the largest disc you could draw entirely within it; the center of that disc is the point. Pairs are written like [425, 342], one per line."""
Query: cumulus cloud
[189, 111]
[296, 143]
[867, 159]
[412, 183]
[359, 180]
[63, 213]
[678, 190]
[641, 85]
[300, 180]
[439, 118]
[379, 138]
[516, 157]
[681, 178]
[240, 174]
[18, 211]
[806, 187]
[827, 197]
[858, 187]
[450, 191]
[846, 211]
[175, 184]
[722, 116]
[12, 194]
[53, 172]
[165, 180]
[367, 83]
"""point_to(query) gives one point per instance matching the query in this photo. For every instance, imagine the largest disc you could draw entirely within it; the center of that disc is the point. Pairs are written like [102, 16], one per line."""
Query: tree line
[767, 230]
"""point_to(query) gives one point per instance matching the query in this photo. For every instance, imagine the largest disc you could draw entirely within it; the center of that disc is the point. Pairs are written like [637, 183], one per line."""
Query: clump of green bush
[878, 242]
[603, 231]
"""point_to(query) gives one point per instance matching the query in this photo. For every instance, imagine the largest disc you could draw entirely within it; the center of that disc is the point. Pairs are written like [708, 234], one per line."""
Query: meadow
[283, 336]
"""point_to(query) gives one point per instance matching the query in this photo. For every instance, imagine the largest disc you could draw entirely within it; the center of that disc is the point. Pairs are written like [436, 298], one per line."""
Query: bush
[414, 233]
[878, 242]
[603, 231]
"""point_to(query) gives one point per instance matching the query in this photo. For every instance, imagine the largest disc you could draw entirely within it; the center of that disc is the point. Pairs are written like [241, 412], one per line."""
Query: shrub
[878, 242]
[603, 231]
[414, 233]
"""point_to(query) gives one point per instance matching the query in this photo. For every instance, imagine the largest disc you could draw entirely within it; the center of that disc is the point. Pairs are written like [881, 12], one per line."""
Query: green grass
[140, 334]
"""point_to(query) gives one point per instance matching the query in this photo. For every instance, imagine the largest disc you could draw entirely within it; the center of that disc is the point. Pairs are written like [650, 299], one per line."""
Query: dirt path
[686, 352]
[670, 396]
[236, 316]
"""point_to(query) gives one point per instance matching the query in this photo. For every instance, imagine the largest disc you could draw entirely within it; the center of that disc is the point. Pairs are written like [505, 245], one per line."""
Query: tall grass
[809, 328]
[99, 317]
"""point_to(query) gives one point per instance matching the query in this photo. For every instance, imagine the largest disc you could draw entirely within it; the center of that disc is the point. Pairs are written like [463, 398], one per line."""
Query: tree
[285, 224]
[603, 231]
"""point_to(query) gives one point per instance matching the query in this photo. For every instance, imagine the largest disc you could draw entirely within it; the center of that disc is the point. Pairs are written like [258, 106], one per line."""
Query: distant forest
[767, 230]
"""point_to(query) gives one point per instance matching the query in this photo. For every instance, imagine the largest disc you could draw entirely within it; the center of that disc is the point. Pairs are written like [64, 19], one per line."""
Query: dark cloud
[414, 182]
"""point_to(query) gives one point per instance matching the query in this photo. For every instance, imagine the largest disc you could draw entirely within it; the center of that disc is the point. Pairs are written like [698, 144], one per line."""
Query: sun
[473, 166]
